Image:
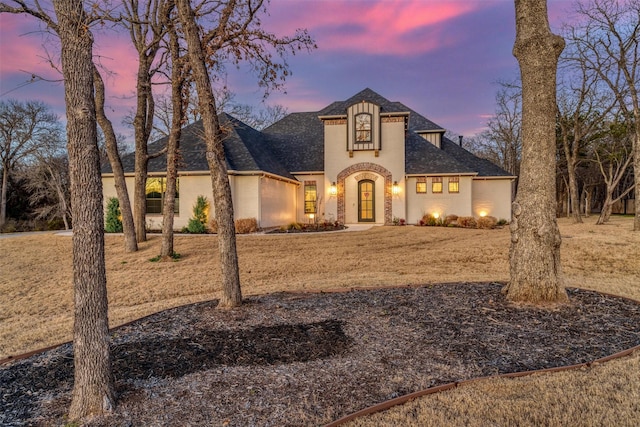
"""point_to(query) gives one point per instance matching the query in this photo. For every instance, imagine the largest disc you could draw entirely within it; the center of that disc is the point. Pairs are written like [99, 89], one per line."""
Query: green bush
[198, 222]
[113, 222]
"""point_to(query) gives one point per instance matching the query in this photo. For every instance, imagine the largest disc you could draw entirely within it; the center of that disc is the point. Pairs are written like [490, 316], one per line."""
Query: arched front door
[366, 201]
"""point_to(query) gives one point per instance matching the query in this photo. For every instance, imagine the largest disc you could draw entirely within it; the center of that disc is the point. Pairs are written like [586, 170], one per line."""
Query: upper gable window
[363, 127]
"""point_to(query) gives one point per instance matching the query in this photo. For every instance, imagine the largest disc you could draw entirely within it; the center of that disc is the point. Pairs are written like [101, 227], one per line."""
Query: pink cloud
[371, 27]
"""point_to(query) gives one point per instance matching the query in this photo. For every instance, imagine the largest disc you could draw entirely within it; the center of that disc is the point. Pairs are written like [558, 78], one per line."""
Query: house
[363, 160]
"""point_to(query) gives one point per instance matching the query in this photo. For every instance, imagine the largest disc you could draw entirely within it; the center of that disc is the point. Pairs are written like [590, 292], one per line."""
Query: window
[436, 184]
[421, 185]
[310, 197]
[363, 127]
[156, 188]
[454, 184]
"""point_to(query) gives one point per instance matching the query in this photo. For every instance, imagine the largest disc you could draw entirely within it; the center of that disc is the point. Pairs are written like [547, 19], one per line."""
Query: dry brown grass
[37, 302]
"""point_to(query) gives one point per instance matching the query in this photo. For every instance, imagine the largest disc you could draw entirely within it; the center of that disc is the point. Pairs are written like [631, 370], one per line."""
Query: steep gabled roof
[245, 150]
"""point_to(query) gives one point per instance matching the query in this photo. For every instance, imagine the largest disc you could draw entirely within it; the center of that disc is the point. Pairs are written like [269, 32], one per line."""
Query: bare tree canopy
[606, 39]
[27, 129]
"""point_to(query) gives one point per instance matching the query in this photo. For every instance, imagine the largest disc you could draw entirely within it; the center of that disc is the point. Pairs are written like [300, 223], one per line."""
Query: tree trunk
[636, 167]
[93, 390]
[607, 208]
[536, 273]
[573, 192]
[223, 204]
[3, 196]
[177, 82]
[142, 130]
[128, 228]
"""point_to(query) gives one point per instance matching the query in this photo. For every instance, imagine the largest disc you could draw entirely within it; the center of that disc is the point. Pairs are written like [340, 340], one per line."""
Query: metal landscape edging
[401, 400]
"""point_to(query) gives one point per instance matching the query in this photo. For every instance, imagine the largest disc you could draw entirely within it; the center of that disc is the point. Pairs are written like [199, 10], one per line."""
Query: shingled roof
[296, 144]
[245, 150]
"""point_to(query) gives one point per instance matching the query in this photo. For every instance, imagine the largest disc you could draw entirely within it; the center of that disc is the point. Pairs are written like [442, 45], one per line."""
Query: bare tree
[501, 142]
[178, 84]
[536, 274]
[607, 38]
[582, 109]
[232, 294]
[235, 35]
[613, 157]
[257, 118]
[26, 129]
[48, 185]
[146, 22]
[93, 389]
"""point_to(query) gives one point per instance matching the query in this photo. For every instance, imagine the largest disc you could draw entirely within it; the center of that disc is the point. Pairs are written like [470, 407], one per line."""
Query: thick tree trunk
[93, 391]
[128, 228]
[536, 273]
[222, 201]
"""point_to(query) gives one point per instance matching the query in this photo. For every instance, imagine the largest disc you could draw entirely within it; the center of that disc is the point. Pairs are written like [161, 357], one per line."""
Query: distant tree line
[597, 115]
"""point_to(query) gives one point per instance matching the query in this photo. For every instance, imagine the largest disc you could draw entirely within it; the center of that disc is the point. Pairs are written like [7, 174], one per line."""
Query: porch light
[483, 214]
[395, 188]
[333, 189]
[436, 215]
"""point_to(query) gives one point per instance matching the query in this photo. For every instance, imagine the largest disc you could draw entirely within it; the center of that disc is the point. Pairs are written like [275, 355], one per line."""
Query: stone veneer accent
[366, 167]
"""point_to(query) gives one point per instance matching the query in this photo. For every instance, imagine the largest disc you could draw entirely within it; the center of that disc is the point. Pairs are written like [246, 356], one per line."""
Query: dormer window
[363, 127]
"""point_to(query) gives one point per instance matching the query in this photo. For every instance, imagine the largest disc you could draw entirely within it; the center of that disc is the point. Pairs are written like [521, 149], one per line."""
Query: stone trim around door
[366, 167]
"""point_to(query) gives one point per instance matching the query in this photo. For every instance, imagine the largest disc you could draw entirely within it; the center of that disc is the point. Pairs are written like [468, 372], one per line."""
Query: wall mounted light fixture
[395, 188]
[333, 189]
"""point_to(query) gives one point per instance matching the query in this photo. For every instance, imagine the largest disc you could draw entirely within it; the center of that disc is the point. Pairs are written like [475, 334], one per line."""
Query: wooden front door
[366, 201]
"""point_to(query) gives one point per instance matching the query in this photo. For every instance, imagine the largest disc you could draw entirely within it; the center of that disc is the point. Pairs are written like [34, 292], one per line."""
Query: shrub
[487, 222]
[291, 226]
[431, 220]
[212, 227]
[467, 222]
[451, 220]
[502, 222]
[246, 225]
[10, 226]
[113, 223]
[197, 223]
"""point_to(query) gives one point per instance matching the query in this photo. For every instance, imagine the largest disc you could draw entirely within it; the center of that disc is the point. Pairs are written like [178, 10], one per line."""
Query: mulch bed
[306, 359]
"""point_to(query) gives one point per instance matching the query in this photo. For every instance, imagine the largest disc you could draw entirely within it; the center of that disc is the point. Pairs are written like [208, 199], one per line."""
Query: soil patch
[291, 359]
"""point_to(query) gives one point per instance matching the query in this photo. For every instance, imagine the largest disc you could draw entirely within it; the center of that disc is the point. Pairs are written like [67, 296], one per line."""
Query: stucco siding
[278, 202]
[245, 192]
[445, 203]
[492, 197]
[322, 196]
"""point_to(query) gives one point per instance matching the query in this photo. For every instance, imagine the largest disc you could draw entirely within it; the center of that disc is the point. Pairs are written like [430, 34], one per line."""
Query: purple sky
[442, 58]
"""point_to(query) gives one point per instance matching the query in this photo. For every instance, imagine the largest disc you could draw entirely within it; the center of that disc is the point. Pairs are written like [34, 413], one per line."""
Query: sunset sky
[442, 58]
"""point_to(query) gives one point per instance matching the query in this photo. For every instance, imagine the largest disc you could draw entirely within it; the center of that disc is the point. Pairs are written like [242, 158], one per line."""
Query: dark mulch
[307, 359]
[309, 228]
